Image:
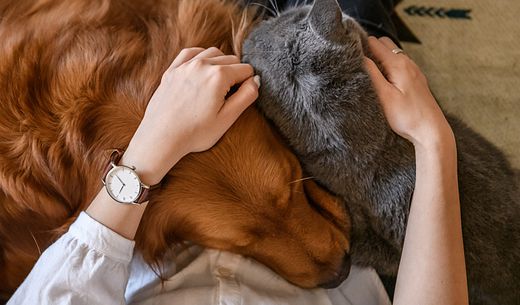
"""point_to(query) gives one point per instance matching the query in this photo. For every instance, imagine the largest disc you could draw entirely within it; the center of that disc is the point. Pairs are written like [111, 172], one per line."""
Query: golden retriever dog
[75, 79]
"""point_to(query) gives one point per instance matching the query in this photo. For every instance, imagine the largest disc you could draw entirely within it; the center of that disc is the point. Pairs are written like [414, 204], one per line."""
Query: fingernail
[256, 79]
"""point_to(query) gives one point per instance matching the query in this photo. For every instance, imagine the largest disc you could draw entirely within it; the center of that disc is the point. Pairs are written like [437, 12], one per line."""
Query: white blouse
[91, 264]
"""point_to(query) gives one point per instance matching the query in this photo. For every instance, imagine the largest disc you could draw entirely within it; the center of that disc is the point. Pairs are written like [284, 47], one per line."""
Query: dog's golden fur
[75, 79]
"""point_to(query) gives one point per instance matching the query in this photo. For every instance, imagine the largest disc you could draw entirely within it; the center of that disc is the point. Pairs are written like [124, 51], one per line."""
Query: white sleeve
[87, 265]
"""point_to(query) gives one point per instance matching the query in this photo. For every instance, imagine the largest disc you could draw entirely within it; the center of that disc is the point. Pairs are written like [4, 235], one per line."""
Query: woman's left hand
[408, 104]
[190, 110]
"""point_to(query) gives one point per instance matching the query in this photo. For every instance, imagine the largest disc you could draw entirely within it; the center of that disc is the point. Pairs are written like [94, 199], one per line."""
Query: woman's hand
[432, 268]
[189, 111]
[408, 104]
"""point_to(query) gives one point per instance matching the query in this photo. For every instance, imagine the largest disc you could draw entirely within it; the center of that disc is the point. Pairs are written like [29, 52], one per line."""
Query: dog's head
[248, 195]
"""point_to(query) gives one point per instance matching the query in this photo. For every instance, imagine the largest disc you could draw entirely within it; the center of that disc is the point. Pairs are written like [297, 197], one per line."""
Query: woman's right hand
[190, 110]
[409, 106]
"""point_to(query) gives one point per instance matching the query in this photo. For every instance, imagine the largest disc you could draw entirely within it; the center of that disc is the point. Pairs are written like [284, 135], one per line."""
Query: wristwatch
[122, 182]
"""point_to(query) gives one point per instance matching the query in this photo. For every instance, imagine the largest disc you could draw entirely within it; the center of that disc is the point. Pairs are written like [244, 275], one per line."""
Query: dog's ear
[327, 204]
[154, 239]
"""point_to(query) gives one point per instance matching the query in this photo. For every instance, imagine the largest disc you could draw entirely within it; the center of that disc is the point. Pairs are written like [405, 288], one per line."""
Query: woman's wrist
[439, 140]
[148, 168]
[151, 162]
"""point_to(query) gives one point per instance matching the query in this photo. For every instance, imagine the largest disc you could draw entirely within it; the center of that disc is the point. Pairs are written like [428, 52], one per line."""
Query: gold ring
[397, 51]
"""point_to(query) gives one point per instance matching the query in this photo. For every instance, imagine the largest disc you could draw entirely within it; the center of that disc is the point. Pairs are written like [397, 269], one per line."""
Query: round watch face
[123, 184]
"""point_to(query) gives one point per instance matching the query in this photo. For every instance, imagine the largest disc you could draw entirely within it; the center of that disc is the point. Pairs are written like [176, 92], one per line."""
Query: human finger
[380, 51]
[387, 42]
[238, 73]
[224, 60]
[381, 84]
[246, 94]
[395, 68]
[184, 56]
[209, 53]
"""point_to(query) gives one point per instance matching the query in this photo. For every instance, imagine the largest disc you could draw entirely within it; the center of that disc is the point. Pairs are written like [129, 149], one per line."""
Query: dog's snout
[341, 274]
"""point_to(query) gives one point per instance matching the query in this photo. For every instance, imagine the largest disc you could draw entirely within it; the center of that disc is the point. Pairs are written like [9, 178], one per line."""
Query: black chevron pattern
[434, 12]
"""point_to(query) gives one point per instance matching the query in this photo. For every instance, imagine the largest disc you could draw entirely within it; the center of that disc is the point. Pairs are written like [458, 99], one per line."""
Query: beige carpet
[473, 65]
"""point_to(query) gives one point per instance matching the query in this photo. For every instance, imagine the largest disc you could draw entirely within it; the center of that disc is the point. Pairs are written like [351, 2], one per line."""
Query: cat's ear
[325, 19]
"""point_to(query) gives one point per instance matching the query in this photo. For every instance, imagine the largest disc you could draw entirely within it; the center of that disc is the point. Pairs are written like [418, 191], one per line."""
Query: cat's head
[306, 51]
[315, 88]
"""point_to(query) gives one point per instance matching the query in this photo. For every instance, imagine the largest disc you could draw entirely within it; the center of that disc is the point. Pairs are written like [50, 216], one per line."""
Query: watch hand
[120, 180]
[121, 190]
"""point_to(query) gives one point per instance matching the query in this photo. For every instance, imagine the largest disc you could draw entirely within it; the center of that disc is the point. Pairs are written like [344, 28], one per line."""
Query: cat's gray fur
[316, 92]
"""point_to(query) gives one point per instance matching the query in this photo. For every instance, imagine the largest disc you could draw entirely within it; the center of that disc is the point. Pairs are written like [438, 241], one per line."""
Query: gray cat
[316, 91]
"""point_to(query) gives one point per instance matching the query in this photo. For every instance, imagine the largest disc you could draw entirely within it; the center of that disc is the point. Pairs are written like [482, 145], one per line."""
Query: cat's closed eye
[295, 60]
[291, 47]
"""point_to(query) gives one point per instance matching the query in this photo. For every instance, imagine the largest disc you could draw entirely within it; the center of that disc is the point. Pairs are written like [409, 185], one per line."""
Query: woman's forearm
[432, 268]
[122, 219]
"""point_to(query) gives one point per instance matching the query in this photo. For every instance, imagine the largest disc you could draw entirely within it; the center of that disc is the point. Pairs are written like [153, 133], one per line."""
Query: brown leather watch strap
[146, 190]
[114, 158]
[145, 193]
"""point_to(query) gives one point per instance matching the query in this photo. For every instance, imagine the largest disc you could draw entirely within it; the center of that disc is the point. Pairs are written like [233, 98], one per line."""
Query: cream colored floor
[473, 66]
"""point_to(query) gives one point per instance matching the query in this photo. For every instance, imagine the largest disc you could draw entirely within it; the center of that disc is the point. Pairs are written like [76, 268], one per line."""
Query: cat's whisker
[37, 246]
[300, 180]
[264, 7]
[296, 4]
[274, 7]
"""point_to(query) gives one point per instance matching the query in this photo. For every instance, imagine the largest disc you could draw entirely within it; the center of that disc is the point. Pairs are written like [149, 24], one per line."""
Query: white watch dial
[123, 184]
